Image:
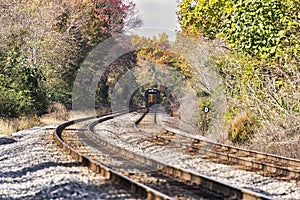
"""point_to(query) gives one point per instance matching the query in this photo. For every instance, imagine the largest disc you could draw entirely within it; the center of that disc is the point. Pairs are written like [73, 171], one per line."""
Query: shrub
[241, 128]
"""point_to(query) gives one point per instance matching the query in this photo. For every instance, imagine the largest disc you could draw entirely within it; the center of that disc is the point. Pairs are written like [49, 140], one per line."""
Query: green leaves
[254, 25]
[204, 18]
[20, 85]
[257, 27]
[261, 72]
[43, 43]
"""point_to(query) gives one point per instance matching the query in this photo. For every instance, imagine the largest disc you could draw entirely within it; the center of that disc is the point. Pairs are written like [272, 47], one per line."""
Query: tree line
[260, 63]
[43, 43]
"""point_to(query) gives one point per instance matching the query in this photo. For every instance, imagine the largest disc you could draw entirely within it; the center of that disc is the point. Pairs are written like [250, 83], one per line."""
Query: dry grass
[282, 137]
[9, 126]
[57, 113]
[241, 128]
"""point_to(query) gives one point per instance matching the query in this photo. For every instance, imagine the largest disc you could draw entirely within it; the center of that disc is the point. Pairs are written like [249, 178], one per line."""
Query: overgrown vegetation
[259, 28]
[242, 127]
[259, 66]
[42, 45]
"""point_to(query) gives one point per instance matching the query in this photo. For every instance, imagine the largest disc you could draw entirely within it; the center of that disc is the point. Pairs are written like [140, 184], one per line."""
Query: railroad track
[263, 163]
[141, 175]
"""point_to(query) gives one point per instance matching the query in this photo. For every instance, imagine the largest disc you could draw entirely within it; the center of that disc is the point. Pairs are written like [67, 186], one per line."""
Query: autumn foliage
[42, 45]
[259, 64]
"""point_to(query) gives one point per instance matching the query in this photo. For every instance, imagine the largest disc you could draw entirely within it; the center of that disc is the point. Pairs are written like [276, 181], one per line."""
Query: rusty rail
[230, 154]
[193, 178]
[133, 186]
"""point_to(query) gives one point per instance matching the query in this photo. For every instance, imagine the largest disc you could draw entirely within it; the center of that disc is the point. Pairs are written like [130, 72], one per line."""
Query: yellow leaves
[201, 3]
[163, 59]
[229, 7]
[159, 53]
[111, 80]
[31, 7]
[85, 1]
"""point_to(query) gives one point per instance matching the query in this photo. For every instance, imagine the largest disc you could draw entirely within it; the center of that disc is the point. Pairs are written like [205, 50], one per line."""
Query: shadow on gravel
[7, 141]
[258, 191]
[78, 190]
[24, 171]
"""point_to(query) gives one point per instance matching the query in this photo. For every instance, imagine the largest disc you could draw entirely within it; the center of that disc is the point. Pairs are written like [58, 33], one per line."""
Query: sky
[158, 16]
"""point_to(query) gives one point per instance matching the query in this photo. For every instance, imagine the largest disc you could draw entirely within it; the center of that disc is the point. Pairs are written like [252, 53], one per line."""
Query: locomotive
[152, 97]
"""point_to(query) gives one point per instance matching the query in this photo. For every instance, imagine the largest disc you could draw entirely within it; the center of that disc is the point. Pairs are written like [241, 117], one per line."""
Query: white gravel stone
[31, 167]
[123, 137]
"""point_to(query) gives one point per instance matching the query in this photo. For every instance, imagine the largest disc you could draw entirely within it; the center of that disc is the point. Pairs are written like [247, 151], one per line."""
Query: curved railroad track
[263, 163]
[141, 175]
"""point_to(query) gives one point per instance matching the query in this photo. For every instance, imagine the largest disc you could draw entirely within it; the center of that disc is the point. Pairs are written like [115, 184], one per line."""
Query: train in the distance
[152, 97]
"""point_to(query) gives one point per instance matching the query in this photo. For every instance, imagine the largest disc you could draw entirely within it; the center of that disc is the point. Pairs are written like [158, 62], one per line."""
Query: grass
[57, 113]
[9, 126]
[281, 138]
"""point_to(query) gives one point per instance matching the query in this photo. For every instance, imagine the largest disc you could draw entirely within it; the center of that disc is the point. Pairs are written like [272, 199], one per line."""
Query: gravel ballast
[125, 137]
[32, 167]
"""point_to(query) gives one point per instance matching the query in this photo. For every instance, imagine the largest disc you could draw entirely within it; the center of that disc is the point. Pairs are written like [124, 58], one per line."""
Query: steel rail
[229, 153]
[141, 118]
[227, 190]
[108, 173]
[285, 167]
